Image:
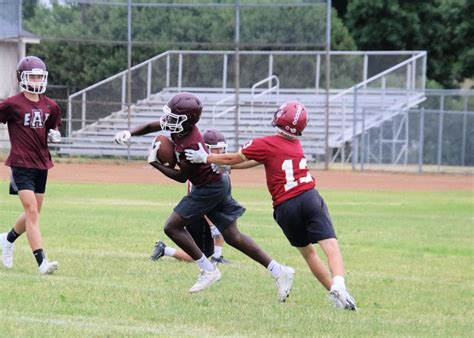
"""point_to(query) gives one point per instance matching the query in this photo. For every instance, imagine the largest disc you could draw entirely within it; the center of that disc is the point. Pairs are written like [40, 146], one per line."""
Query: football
[166, 154]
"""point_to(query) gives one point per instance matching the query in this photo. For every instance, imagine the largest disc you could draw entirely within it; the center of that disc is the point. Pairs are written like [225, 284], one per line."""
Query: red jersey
[202, 173]
[285, 166]
[28, 126]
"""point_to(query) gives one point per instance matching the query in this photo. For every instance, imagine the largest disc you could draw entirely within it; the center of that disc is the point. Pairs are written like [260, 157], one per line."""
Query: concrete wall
[10, 57]
[10, 54]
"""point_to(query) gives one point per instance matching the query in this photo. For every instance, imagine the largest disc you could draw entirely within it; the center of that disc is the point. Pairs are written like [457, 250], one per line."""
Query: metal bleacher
[353, 110]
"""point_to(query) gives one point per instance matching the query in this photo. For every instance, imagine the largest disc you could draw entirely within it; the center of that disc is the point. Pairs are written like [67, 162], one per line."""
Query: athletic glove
[220, 169]
[54, 136]
[155, 146]
[122, 136]
[196, 156]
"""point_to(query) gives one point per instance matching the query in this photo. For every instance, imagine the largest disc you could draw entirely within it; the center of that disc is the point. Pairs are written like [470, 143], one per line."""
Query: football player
[33, 120]
[205, 234]
[298, 208]
[210, 196]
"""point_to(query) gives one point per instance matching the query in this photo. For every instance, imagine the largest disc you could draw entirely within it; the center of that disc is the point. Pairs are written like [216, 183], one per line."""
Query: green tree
[439, 26]
[83, 44]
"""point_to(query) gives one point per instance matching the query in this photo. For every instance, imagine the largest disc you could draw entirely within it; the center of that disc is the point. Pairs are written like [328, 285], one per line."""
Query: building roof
[11, 35]
[12, 32]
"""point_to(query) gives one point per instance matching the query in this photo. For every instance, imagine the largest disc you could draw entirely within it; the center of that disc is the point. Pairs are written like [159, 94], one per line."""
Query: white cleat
[284, 282]
[205, 280]
[342, 298]
[47, 268]
[7, 251]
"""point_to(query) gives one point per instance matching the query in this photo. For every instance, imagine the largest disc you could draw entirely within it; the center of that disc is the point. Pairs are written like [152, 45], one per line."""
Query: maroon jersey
[285, 166]
[202, 173]
[28, 126]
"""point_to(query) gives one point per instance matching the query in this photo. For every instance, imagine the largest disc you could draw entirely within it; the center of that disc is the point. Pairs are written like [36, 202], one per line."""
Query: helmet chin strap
[285, 134]
[184, 132]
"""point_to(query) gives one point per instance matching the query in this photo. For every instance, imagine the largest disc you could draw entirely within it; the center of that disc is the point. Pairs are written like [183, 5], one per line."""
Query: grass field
[409, 261]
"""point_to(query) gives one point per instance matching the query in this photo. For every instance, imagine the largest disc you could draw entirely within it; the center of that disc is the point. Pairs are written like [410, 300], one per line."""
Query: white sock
[170, 251]
[217, 251]
[205, 264]
[339, 281]
[275, 268]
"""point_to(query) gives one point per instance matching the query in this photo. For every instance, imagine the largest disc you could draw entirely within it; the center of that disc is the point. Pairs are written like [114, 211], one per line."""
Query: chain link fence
[437, 136]
[439, 133]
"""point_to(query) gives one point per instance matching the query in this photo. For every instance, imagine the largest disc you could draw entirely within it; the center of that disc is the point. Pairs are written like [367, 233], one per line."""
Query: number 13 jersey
[285, 166]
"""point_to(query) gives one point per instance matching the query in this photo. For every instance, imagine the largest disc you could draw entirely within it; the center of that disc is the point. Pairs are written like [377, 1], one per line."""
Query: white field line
[138, 202]
[92, 253]
[429, 279]
[107, 283]
[96, 324]
[143, 257]
[398, 216]
[108, 201]
[80, 280]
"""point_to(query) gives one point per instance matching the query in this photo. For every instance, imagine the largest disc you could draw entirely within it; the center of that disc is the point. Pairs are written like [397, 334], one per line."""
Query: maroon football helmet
[214, 139]
[32, 67]
[291, 118]
[181, 113]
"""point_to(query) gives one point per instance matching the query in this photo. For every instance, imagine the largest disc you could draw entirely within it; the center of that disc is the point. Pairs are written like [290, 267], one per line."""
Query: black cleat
[219, 260]
[158, 251]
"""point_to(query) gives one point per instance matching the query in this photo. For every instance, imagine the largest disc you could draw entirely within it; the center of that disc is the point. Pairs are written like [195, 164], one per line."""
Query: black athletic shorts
[213, 200]
[304, 219]
[28, 179]
[201, 233]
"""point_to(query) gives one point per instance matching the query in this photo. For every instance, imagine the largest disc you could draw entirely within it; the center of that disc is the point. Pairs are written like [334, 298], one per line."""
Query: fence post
[343, 128]
[180, 71]
[423, 73]
[365, 70]
[270, 69]
[421, 140]
[124, 90]
[464, 127]
[407, 135]
[148, 81]
[83, 115]
[69, 117]
[355, 143]
[224, 74]
[368, 151]
[381, 143]
[408, 75]
[440, 131]
[317, 75]
[394, 132]
[362, 140]
[168, 66]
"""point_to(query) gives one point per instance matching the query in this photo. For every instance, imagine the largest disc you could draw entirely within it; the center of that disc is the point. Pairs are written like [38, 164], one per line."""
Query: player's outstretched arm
[124, 136]
[246, 165]
[201, 156]
[145, 129]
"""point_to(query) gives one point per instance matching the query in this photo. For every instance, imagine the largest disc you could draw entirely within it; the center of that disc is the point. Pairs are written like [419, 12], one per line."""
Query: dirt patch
[140, 173]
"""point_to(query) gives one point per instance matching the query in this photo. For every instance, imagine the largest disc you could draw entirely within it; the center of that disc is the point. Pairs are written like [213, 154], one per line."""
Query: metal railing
[269, 80]
[436, 136]
[180, 69]
[392, 98]
[223, 112]
[123, 76]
